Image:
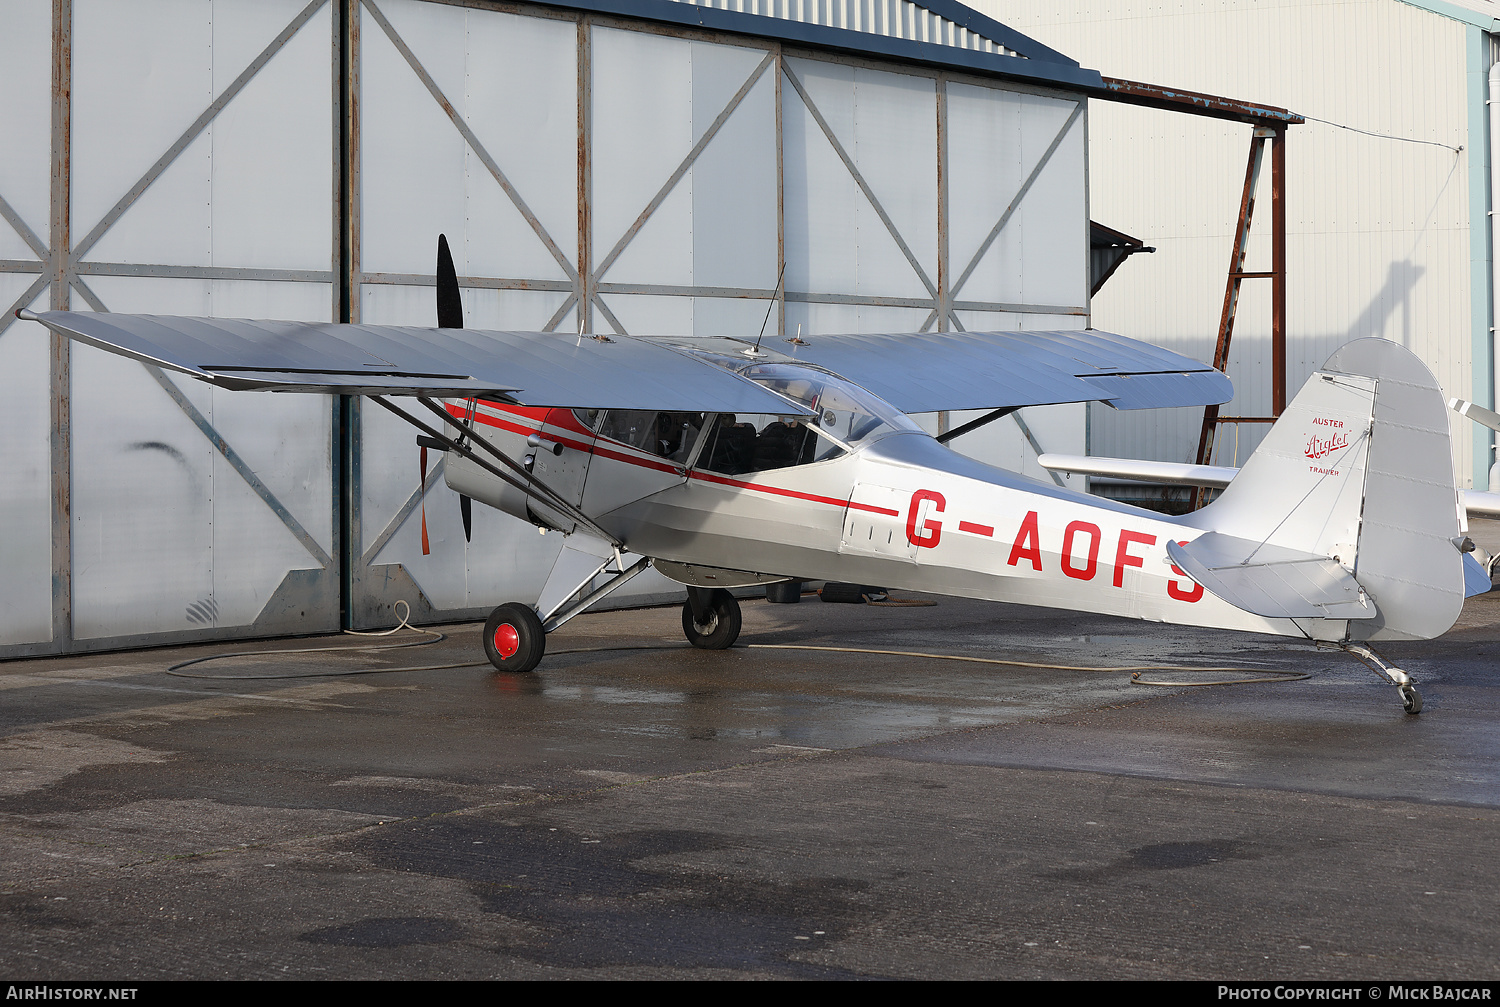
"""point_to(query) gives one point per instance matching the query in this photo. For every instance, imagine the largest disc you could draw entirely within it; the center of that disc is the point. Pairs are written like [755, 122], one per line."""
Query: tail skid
[1346, 517]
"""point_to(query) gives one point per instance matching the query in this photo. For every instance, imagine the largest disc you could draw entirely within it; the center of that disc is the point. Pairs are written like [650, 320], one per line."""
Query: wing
[915, 372]
[1173, 473]
[926, 372]
[527, 368]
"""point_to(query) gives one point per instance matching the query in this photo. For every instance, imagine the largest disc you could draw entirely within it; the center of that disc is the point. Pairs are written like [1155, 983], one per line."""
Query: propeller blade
[466, 510]
[450, 305]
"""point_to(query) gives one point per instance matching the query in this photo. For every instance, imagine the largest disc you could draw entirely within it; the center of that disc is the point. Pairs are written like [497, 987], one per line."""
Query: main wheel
[513, 638]
[722, 628]
[1411, 699]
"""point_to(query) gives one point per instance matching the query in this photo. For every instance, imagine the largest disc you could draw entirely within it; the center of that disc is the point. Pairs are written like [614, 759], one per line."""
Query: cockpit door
[561, 459]
[639, 453]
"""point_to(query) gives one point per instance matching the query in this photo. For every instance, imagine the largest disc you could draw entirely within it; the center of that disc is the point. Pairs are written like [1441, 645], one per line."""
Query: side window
[741, 443]
[629, 426]
[666, 434]
[588, 417]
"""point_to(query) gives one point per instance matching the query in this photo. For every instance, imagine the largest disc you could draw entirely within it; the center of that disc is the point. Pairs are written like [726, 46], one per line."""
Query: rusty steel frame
[60, 349]
[1275, 136]
[1269, 126]
[780, 194]
[584, 297]
[346, 452]
[1135, 92]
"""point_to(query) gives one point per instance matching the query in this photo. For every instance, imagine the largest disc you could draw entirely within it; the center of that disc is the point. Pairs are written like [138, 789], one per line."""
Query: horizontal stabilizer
[1476, 580]
[1481, 503]
[1475, 412]
[1272, 581]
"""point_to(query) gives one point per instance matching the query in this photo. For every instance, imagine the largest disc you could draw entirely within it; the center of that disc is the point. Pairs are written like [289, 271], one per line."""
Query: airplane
[725, 463]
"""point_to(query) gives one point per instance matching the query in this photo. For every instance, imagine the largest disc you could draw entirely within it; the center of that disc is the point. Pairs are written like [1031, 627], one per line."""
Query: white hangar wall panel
[996, 143]
[707, 163]
[25, 445]
[196, 509]
[1378, 230]
[709, 111]
[838, 240]
[25, 458]
[512, 81]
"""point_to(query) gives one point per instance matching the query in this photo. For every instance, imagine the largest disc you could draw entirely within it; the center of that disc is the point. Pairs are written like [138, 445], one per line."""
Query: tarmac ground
[652, 811]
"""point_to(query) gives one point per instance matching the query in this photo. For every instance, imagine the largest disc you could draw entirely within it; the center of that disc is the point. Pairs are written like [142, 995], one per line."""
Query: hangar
[1390, 191]
[626, 166]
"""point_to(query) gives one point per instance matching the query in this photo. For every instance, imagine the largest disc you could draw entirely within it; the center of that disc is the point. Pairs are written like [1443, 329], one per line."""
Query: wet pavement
[650, 810]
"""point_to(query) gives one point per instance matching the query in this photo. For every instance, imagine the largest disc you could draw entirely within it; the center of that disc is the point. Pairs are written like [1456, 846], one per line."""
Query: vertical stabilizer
[1359, 469]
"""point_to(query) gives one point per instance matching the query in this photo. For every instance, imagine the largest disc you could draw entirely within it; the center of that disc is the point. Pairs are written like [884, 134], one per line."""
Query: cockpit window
[846, 414]
[669, 435]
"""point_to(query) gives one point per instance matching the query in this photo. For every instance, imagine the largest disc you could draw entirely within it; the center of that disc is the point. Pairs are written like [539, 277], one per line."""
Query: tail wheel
[513, 638]
[1411, 699]
[722, 627]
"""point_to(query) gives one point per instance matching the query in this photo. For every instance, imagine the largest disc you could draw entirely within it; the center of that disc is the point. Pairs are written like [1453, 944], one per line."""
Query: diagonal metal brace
[526, 483]
[562, 614]
[550, 496]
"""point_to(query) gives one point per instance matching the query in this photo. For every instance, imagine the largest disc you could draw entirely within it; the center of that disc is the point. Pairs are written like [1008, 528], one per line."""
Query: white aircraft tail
[1348, 509]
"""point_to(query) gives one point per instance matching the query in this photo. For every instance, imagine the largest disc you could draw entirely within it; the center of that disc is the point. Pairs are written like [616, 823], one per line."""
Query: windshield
[846, 415]
[844, 409]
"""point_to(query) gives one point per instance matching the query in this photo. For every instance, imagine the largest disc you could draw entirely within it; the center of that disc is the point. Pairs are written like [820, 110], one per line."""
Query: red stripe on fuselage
[538, 415]
[794, 494]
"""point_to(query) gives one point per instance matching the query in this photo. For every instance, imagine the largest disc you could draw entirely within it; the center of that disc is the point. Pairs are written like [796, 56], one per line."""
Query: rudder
[1359, 468]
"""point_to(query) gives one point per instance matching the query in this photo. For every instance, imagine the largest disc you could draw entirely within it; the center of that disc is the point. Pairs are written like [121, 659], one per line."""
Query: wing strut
[526, 483]
[555, 499]
[988, 417]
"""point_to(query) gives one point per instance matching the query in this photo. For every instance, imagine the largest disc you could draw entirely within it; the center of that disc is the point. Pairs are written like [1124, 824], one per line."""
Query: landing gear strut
[1411, 699]
[711, 618]
[515, 635]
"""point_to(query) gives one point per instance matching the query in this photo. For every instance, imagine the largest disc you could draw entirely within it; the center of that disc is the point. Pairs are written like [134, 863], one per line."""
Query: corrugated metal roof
[894, 18]
[942, 33]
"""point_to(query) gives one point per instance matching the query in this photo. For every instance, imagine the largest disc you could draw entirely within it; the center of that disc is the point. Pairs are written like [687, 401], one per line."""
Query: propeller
[450, 304]
[450, 315]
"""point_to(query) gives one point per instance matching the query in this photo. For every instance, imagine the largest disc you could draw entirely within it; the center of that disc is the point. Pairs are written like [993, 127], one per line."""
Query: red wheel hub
[507, 640]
